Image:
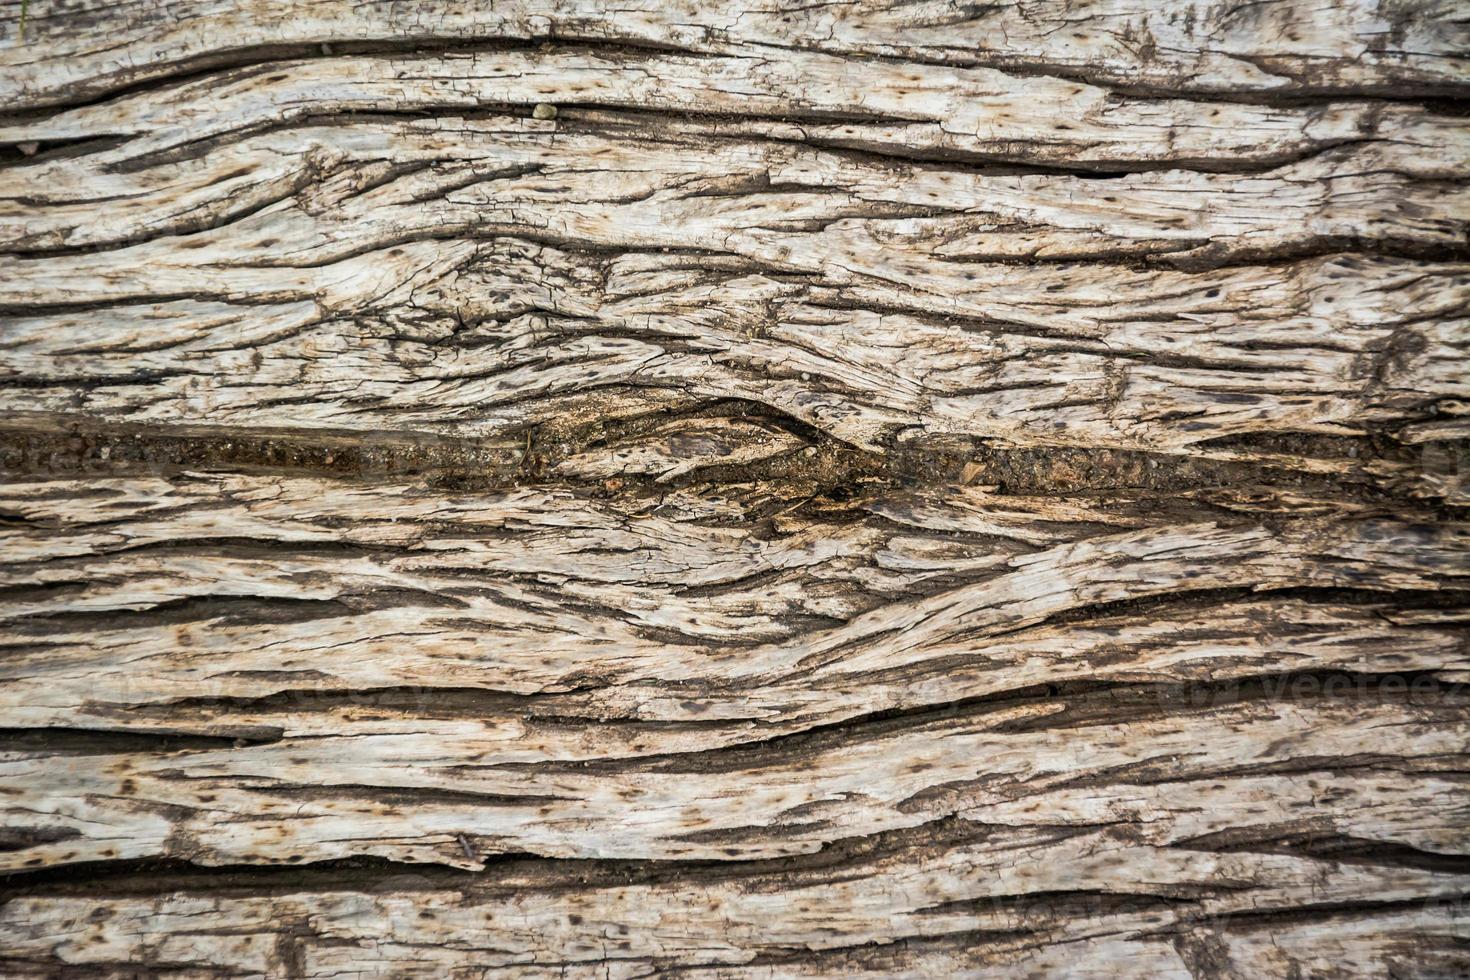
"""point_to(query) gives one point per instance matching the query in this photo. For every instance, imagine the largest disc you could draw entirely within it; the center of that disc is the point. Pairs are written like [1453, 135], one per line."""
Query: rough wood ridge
[861, 488]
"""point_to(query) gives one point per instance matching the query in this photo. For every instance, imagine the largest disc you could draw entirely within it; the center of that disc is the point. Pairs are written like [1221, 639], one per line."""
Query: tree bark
[787, 490]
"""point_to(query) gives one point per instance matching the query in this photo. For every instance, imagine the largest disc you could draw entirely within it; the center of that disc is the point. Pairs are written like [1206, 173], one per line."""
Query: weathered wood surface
[1293, 46]
[901, 490]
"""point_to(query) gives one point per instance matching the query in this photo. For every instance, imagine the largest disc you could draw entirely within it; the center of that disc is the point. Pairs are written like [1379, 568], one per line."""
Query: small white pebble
[543, 110]
[805, 376]
[28, 149]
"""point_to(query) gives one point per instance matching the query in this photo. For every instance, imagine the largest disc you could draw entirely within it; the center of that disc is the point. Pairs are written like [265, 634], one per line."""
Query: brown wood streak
[860, 489]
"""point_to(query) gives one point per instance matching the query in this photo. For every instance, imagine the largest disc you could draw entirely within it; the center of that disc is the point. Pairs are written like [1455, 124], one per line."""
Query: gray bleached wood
[1277, 46]
[858, 489]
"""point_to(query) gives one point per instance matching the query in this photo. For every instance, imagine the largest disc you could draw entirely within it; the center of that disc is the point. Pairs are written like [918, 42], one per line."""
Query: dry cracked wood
[562, 632]
[859, 489]
[1011, 697]
[75, 51]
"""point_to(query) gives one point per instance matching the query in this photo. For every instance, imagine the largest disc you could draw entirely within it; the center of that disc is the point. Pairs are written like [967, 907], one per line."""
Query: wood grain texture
[734, 490]
[75, 51]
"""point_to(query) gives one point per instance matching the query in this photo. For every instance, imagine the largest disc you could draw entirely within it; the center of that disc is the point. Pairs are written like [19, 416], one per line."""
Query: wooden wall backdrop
[545, 488]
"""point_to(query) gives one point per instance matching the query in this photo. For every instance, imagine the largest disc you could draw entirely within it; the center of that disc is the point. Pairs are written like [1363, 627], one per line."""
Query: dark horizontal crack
[1329, 845]
[92, 741]
[260, 58]
[59, 446]
[503, 873]
[1082, 703]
